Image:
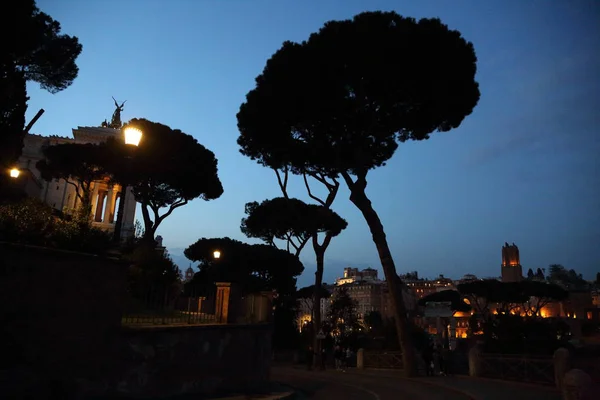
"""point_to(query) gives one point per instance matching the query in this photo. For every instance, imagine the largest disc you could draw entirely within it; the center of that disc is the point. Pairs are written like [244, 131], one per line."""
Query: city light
[132, 136]
[14, 173]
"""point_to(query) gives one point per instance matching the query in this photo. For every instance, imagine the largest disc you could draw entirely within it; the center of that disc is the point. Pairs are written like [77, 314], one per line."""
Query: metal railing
[383, 359]
[532, 369]
[156, 308]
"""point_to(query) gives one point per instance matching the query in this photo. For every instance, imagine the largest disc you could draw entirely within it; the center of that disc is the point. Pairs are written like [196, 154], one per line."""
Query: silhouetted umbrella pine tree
[339, 103]
[284, 218]
[33, 49]
[167, 170]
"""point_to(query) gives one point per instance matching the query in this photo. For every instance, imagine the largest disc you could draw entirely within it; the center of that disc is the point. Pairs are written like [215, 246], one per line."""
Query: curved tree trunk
[317, 343]
[362, 202]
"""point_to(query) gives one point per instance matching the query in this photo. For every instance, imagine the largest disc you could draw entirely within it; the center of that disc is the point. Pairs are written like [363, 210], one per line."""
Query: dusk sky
[524, 167]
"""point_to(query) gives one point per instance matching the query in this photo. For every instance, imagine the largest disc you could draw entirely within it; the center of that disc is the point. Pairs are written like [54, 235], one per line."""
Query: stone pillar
[452, 339]
[94, 199]
[475, 362]
[222, 302]
[577, 385]
[265, 307]
[360, 359]
[108, 210]
[100, 203]
[562, 364]
[200, 300]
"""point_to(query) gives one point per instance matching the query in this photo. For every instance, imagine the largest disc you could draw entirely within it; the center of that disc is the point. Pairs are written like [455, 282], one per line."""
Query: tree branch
[271, 242]
[147, 221]
[347, 179]
[80, 196]
[283, 183]
[312, 196]
[323, 179]
[326, 241]
[541, 304]
[160, 218]
[303, 242]
[290, 241]
[323, 246]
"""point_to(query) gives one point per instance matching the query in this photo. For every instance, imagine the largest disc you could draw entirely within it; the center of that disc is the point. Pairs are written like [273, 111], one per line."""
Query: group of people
[437, 360]
[342, 357]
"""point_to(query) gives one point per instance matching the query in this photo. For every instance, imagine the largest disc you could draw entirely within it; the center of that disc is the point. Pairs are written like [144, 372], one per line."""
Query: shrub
[32, 222]
[27, 221]
[153, 276]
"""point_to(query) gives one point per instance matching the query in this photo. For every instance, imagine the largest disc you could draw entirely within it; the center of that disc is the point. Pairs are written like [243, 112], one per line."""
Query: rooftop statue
[115, 122]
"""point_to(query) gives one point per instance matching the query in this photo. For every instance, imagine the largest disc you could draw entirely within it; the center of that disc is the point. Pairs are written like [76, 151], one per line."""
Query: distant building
[511, 264]
[352, 275]
[189, 274]
[370, 293]
[306, 310]
[425, 287]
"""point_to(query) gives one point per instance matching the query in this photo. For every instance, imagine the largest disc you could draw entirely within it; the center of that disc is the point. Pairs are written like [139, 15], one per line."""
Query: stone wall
[61, 336]
[210, 359]
[59, 311]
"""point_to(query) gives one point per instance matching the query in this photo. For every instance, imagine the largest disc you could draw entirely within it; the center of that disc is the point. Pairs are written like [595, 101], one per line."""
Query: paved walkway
[473, 388]
[334, 385]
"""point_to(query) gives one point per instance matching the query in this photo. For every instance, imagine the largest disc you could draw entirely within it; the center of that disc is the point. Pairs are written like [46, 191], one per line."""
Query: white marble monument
[61, 195]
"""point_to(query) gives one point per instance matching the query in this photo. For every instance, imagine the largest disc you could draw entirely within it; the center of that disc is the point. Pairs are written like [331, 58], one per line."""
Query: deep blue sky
[523, 168]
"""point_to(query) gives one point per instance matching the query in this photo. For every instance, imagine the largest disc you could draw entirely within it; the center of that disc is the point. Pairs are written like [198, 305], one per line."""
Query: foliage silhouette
[530, 274]
[153, 277]
[32, 222]
[454, 297]
[343, 317]
[530, 296]
[569, 279]
[168, 169]
[252, 267]
[33, 49]
[287, 218]
[308, 291]
[339, 103]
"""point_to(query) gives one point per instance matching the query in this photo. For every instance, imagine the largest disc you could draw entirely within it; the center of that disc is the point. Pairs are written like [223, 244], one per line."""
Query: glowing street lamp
[216, 254]
[132, 136]
[14, 173]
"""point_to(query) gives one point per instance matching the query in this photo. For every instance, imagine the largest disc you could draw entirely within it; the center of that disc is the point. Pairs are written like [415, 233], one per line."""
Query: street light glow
[132, 136]
[14, 173]
[217, 254]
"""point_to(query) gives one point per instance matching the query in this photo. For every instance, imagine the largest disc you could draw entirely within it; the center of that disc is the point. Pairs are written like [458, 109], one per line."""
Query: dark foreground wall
[210, 359]
[61, 336]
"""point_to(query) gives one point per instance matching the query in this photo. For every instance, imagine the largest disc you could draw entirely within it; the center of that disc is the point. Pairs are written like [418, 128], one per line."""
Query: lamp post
[132, 137]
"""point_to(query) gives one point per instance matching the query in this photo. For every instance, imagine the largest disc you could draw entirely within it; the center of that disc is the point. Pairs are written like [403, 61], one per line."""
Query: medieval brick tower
[511, 263]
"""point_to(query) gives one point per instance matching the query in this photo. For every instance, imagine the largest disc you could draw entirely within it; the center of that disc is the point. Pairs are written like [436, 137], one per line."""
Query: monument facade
[61, 195]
